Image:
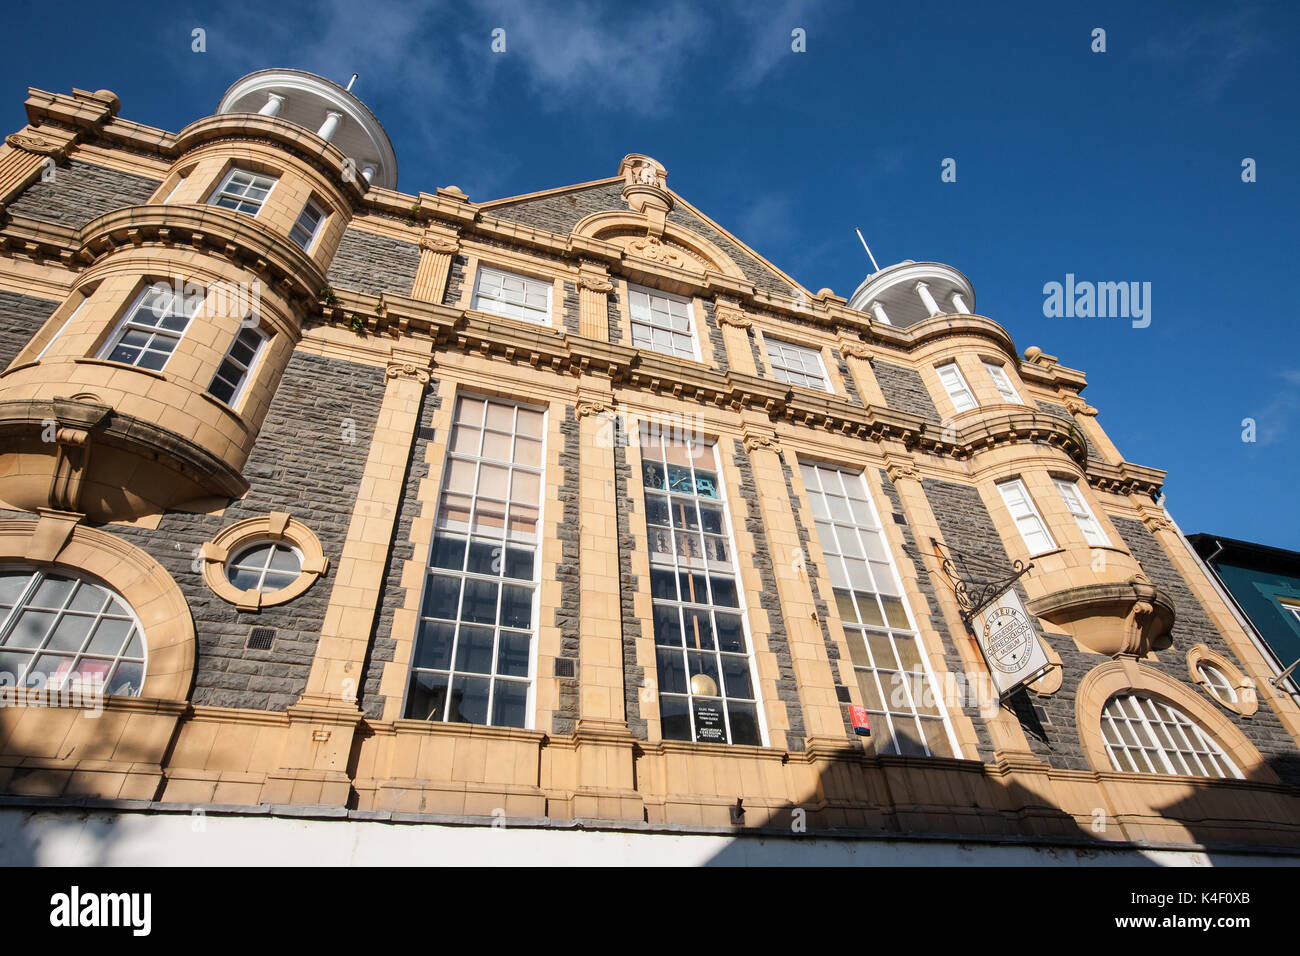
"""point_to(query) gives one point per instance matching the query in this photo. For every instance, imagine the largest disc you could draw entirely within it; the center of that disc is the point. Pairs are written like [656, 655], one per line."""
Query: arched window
[58, 629]
[1144, 734]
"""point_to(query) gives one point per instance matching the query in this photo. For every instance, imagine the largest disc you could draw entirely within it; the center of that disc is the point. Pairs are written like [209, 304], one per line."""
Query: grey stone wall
[455, 278]
[951, 659]
[373, 264]
[905, 390]
[838, 668]
[1058, 411]
[778, 639]
[21, 317]
[81, 192]
[763, 278]
[571, 309]
[612, 302]
[850, 386]
[400, 550]
[633, 673]
[568, 574]
[971, 537]
[759, 367]
[1192, 626]
[560, 213]
[301, 465]
[715, 339]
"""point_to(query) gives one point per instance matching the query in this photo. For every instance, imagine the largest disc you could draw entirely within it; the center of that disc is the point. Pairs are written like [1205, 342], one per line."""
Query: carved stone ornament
[583, 409]
[897, 468]
[437, 243]
[656, 251]
[754, 442]
[854, 350]
[595, 284]
[35, 144]
[1077, 406]
[408, 370]
[731, 315]
[1154, 520]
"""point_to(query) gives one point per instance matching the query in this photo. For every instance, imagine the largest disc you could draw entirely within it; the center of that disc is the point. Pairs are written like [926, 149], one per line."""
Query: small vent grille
[900, 518]
[1041, 714]
[564, 667]
[261, 638]
[427, 432]
[842, 693]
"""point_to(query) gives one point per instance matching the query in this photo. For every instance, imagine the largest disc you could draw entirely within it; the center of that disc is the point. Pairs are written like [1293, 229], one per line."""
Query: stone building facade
[568, 508]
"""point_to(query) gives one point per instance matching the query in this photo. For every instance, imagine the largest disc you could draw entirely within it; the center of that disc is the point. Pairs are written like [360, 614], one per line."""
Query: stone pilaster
[594, 288]
[437, 248]
[857, 357]
[735, 325]
[314, 765]
[25, 154]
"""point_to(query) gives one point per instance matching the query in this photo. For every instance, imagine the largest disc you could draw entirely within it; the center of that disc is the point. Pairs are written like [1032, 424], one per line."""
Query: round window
[264, 566]
[1217, 683]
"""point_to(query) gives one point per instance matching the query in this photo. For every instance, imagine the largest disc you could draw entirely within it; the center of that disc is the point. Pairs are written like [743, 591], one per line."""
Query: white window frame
[510, 310]
[1143, 750]
[316, 230]
[1002, 382]
[779, 370]
[1293, 608]
[1217, 682]
[179, 183]
[712, 458]
[231, 174]
[691, 325]
[1083, 516]
[478, 460]
[127, 324]
[247, 371]
[1029, 513]
[864, 531]
[277, 544]
[958, 390]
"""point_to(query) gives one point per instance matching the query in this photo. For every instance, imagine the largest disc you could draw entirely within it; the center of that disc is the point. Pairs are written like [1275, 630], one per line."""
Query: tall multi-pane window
[1147, 735]
[151, 328]
[955, 384]
[242, 191]
[662, 322]
[797, 364]
[473, 659]
[1002, 382]
[57, 630]
[514, 296]
[1030, 523]
[706, 679]
[308, 224]
[233, 373]
[1083, 515]
[898, 689]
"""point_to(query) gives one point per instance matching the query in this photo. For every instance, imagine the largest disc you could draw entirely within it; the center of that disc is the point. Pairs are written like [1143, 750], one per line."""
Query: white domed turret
[910, 292]
[325, 108]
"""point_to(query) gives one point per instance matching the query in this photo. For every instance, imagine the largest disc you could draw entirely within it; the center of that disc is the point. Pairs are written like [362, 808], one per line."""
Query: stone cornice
[206, 228]
[1125, 478]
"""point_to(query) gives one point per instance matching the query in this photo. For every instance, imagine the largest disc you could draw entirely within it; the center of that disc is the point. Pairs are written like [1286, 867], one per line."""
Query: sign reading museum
[1006, 639]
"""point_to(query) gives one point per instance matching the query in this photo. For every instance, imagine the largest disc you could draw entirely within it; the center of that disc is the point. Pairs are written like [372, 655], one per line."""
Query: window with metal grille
[514, 296]
[1147, 735]
[894, 677]
[1030, 523]
[662, 322]
[474, 655]
[1083, 515]
[242, 191]
[235, 370]
[796, 364]
[152, 327]
[702, 649]
[59, 630]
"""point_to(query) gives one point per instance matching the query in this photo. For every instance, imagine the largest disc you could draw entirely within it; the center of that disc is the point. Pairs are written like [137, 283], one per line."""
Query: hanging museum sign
[1005, 635]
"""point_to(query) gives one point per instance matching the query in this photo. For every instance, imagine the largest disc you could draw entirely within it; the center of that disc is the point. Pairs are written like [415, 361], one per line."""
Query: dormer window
[242, 191]
[307, 228]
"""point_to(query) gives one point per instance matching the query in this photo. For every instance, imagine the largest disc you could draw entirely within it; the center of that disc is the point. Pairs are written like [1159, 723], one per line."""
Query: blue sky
[1115, 166]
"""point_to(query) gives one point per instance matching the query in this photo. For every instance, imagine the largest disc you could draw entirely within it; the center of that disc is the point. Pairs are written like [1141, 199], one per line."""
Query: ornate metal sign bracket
[975, 594]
